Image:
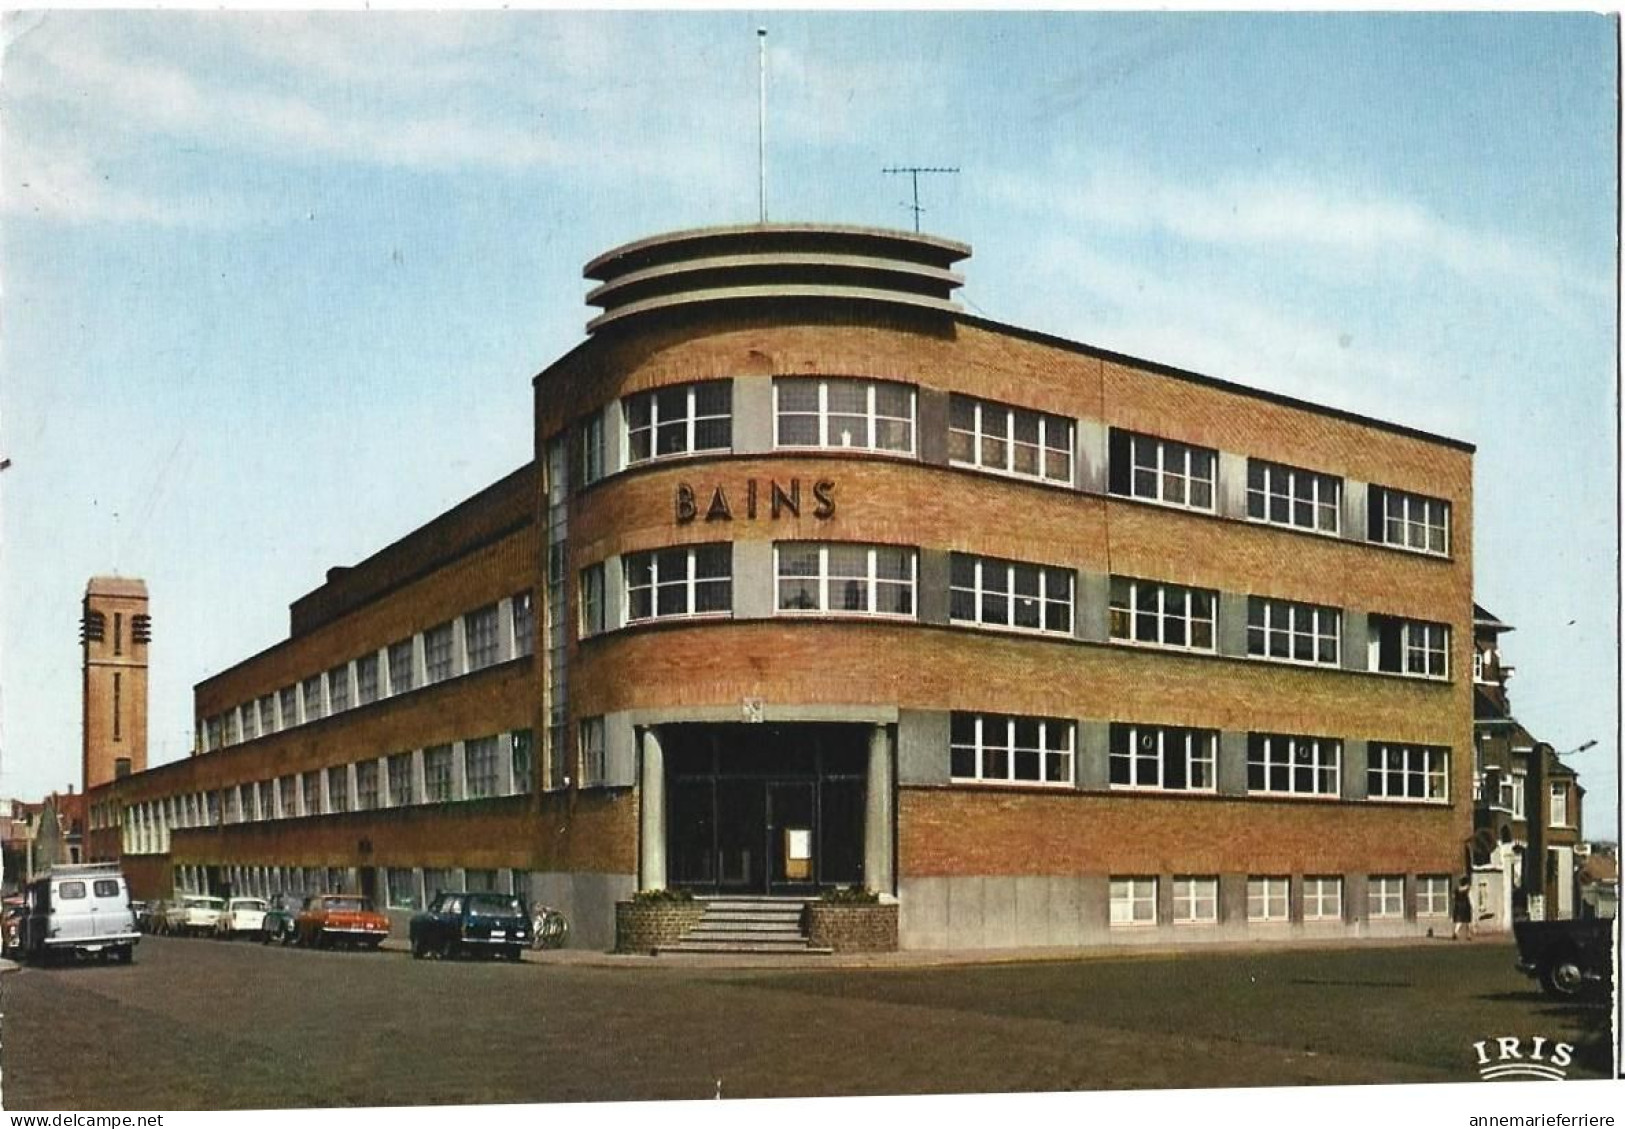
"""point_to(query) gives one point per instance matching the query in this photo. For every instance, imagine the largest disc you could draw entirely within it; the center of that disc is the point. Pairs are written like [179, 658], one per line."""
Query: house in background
[1526, 801]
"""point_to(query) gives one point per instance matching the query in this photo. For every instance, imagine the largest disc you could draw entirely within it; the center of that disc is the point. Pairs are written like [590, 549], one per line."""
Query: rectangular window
[1001, 749]
[1161, 470]
[1292, 632]
[1133, 901]
[1267, 898]
[437, 774]
[1166, 757]
[289, 699]
[1196, 901]
[1408, 521]
[267, 799]
[1560, 804]
[524, 624]
[679, 420]
[1010, 440]
[687, 581]
[592, 601]
[438, 660]
[480, 637]
[1407, 772]
[845, 579]
[859, 415]
[1283, 495]
[268, 724]
[1300, 766]
[288, 795]
[1385, 896]
[401, 792]
[338, 688]
[1322, 899]
[522, 749]
[118, 706]
[313, 793]
[234, 733]
[400, 666]
[437, 881]
[1513, 792]
[1409, 646]
[366, 785]
[593, 769]
[1163, 615]
[366, 679]
[1433, 895]
[251, 720]
[314, 707]
[592, 448]
[480, 768]
[401, 888]
[994, 593]
[338, 788]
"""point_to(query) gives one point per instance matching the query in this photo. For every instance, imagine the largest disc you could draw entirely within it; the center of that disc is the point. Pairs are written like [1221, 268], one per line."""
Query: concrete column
[615, 594]
[459, 774]
[615, 438]
[752, 415]
[505, 764]
[1089, 473]
[753, 580]
[459, 646]
[1354, 780]
[1356, 640]
[922, 746]
[935, 578]
[417, 775]
[932, 408]
[652, 814]
[877, 814]
[1232, 499]
[1232, 763]
[1091, 607]
[1232, 624]
[1094, 756]
[1355, 502]
[420, 666]
[505, 641]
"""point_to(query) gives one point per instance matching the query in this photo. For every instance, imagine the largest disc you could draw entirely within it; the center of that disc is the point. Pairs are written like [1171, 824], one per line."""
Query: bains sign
[778, 500]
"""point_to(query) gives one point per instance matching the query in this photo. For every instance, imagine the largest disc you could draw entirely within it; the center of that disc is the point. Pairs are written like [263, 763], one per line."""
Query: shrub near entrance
[852, 920]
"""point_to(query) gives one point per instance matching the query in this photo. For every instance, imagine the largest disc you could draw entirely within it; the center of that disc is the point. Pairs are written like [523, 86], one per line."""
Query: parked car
[1569, 958]
[340, 919]
[471, 922]
[78, 911]
[242, 916]
[196, 914]
[277, 924]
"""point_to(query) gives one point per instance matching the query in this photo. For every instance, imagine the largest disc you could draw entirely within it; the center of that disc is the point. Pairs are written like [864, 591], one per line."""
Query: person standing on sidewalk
[1461, 909]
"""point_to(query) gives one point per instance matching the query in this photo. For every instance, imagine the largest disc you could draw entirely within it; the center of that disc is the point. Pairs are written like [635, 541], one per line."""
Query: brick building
[818, 580]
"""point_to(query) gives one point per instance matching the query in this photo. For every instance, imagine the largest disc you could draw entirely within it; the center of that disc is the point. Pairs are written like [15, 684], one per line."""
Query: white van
[78, 909]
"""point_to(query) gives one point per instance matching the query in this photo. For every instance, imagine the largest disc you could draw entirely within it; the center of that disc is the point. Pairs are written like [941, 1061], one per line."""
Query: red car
[339, 919]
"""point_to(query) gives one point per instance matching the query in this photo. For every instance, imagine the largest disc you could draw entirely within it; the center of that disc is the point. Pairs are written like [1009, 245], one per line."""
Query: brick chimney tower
[114, 630]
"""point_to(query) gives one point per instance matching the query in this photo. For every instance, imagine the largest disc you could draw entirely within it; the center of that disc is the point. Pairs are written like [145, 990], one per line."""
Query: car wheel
[1562, 978]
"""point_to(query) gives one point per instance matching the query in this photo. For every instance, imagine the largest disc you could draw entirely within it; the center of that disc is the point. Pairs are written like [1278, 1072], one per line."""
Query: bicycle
[548, 928]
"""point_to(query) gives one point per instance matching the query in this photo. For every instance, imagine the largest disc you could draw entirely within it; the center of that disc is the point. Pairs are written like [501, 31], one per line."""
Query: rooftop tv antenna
[914, 172]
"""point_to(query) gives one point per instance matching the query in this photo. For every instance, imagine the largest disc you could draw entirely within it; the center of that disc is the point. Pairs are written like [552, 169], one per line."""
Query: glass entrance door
[792, 836]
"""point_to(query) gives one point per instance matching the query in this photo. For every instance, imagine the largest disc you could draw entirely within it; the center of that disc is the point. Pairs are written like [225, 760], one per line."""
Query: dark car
[277, 924]
[1568, 957]
[471, 922]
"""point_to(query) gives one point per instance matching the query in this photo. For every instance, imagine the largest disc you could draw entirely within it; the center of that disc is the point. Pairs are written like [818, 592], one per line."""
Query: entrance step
[747, 925]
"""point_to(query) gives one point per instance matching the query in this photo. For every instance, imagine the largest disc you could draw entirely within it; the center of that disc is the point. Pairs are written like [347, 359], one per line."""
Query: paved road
[198, 1024]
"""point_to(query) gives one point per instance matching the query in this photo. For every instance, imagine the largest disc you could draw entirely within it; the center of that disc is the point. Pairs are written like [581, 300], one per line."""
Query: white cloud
[63, 186]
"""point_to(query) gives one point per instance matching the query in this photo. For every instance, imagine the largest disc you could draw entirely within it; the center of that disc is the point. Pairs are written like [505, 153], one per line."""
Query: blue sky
[274, 285]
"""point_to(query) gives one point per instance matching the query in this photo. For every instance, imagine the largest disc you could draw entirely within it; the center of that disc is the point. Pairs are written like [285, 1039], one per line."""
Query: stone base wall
[852, 928]
[642, 928]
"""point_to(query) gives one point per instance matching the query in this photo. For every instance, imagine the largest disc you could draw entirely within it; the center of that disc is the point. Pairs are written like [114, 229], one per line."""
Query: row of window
[402, 888]
[881, 417]
[488, 637]
[1195, 899]
[882, 580]
[478, 768]
[1000, 748]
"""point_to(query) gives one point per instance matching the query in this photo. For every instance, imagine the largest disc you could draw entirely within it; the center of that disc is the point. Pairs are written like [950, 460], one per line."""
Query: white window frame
[690, 420]
[1518, 782]
[1271, 486]
[1196, 750]
[988, 730]
[1385, 897]
[366, 688]
[1322, 757]
[591, 752]
[338, 689]
[401, 791]
[1559, 795]
[1269, 898]
[1316, 625]
[871, 416]
[1196, 900]
[592, 448]
[1433, 895]
[1170, 464]
[367, 798]
[1422, 645]
[1403, 520]
[689, 582]
[1418, 774]
[987, 572]
[1323, 897]
[988, 416]
[482, 768]
[1133, 902]
[1135, 603]
[402, 649]
[447, 753]
[871, 581]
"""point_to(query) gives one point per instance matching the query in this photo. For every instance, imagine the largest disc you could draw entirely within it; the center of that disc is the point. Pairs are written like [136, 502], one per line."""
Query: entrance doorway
[765, 809]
